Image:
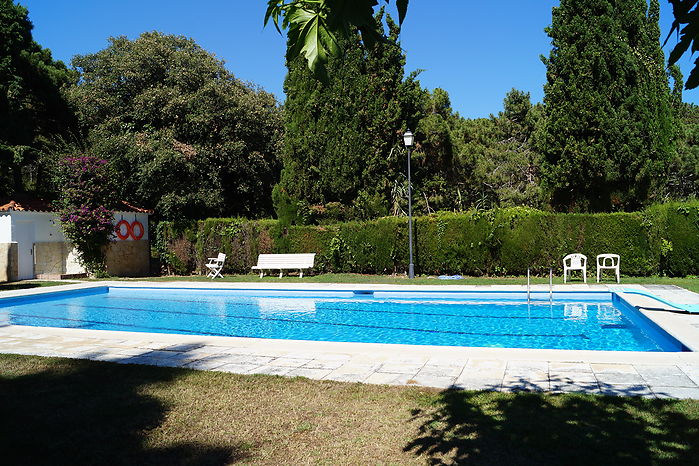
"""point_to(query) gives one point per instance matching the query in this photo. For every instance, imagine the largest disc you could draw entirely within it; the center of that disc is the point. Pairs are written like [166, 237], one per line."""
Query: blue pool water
[582, 321]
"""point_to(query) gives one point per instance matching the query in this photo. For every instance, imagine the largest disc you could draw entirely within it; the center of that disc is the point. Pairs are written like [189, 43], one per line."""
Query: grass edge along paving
[66, 411]
[689, 283]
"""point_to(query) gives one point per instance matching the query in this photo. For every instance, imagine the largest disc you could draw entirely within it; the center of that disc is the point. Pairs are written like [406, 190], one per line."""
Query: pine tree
[342, 139]
[608, 133]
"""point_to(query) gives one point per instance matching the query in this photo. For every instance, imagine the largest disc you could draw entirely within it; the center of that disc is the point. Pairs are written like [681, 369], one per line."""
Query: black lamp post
[409, 139]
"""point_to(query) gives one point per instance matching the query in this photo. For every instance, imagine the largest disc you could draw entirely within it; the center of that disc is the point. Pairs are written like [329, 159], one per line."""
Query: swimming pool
[579, 321]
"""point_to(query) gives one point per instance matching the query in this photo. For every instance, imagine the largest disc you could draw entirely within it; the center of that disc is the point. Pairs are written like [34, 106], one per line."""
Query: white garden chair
[215, 265]
[573, 262]
[608, 262]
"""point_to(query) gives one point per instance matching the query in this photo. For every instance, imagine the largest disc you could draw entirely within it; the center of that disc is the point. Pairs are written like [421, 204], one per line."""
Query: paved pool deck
[647, 374]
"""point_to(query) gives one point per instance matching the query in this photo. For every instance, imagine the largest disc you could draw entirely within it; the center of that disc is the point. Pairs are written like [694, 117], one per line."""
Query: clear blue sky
[475, 50]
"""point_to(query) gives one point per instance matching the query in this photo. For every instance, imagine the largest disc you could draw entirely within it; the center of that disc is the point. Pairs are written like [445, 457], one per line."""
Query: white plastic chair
[215, 265]
[608, 262]
[574, 262]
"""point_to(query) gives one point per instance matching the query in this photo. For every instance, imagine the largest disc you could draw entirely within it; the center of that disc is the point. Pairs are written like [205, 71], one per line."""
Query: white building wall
[5, 227]
[47, 228]
[131, 217]
[72, 266]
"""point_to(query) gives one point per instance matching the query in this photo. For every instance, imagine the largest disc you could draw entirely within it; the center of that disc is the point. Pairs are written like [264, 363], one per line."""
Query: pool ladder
[529, 286]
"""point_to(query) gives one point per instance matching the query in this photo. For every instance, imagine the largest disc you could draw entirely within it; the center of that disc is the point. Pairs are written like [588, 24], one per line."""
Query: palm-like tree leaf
[402, 10]
[693, 79]
[687, 14]
[314, 26]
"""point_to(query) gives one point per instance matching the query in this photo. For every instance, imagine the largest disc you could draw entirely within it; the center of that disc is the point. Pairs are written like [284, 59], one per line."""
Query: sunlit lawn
[61, 411]
[690, 283]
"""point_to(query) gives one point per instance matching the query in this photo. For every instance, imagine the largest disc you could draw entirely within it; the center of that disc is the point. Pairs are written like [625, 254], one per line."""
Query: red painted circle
[141, 230]
[117, 229]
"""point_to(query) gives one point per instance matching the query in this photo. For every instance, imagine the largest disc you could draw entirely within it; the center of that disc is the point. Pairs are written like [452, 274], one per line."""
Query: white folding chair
[608, 262]
[574, 262]
[215, 265]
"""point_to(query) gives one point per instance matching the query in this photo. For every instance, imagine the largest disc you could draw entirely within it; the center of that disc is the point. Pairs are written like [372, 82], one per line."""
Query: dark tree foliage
[511, 170]
[343, 140]
[183, 135]
[435, 177]
[496, 160]
[683, 174]
[32, 111]
[608, 133]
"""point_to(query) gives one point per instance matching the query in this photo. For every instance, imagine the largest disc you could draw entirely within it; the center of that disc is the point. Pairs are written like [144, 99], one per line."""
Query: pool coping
[688, 336]
[373, 354]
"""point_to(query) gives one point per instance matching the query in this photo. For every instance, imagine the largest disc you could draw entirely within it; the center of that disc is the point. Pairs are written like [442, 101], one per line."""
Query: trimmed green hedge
[663, 239]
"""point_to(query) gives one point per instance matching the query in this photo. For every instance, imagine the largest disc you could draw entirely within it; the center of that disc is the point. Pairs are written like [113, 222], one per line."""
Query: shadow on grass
[84, 412]
[10, 286]
[527, 428]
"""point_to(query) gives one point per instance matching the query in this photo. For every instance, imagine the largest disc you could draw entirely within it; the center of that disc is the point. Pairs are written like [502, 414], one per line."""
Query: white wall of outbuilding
[47, 227]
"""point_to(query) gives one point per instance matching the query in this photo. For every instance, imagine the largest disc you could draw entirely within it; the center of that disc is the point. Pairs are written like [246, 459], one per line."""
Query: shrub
[678, 243]
[663, 239]
[84, 192]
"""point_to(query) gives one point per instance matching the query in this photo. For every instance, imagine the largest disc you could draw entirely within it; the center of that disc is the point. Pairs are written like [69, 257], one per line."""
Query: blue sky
[475, 50]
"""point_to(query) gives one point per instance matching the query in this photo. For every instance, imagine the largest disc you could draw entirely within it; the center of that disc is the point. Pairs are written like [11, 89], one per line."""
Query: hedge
[663, 239]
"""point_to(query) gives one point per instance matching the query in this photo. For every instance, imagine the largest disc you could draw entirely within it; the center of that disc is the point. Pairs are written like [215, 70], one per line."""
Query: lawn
[27, 284]
[688, 283]
[61, 411]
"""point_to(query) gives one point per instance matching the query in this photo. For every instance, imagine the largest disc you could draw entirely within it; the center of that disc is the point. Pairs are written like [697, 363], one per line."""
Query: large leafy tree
[182, 134]
[32, 111]
[608, 131]
[342, 140]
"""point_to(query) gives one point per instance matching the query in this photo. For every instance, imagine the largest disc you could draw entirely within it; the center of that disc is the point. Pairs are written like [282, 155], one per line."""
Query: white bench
[284, 261]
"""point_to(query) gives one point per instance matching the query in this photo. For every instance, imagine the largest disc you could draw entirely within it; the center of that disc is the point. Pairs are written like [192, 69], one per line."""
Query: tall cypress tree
[339, 136]
[608, 133]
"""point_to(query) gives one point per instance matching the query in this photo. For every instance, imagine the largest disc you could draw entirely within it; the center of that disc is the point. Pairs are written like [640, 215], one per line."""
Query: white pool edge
[667, 321]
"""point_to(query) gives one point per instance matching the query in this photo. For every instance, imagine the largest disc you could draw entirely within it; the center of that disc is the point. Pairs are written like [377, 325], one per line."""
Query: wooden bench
[284, 261]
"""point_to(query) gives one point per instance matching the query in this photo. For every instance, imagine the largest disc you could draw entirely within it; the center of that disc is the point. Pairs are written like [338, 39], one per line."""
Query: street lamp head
[408, 139]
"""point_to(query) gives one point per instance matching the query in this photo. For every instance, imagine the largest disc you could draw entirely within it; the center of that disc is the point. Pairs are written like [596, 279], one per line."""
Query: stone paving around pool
[661, 375]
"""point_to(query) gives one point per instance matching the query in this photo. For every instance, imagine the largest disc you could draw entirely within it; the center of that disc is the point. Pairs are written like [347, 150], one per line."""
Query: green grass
[26, 284]
[60, 411]
[688, 283]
